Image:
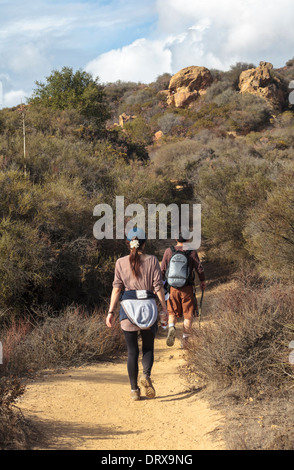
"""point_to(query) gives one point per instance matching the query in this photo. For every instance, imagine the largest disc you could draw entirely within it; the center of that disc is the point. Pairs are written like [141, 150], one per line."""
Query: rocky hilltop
[190, 83]
[262, 82]
[187, 85]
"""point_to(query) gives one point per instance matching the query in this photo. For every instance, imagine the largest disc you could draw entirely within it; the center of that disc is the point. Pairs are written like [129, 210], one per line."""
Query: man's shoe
[170, 340]
[147, 384]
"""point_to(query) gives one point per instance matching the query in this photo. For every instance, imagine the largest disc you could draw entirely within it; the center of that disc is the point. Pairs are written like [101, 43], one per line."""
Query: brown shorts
[181, 302]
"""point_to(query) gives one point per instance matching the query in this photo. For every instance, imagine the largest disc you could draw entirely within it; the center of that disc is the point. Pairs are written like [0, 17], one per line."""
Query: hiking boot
[136, 394]
[147, 384]
[170, 340]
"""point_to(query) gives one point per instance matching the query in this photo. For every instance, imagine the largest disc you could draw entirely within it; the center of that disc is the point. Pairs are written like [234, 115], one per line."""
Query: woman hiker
[137, 283]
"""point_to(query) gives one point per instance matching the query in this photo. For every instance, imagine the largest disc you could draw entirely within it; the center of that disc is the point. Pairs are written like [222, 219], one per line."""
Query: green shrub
[162, 82]
[248, 113]
[269, 231]
[69, 90]
[24, 263]
[168, 121]
[19, 197]
[172, 158]
[139, 131]
[228, 188]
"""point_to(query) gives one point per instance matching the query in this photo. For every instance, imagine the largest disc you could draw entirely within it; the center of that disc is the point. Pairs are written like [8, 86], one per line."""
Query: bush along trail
[89, 408]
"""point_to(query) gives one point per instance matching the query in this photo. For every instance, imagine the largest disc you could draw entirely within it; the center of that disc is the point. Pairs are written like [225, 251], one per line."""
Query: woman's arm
[161, 296]
[115, 294]
[158, 285]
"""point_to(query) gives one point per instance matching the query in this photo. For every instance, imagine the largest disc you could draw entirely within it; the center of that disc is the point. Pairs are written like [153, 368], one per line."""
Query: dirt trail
[89, 408]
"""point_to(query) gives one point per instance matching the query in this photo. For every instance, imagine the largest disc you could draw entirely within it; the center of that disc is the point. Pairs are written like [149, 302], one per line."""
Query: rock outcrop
[187, 85]
[123, 118]
[262, 82]
[157, 136]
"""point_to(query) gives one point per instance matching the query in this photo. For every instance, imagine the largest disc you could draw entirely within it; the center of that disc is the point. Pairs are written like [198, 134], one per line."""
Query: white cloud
[247, 30]
[145, 59]
[141, 61]
[212, 33]
[30, 57]
[37, 37]
[34, 27]
[14, 97]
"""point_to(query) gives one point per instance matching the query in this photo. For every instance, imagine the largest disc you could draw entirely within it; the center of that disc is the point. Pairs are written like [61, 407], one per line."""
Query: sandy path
[89, 408]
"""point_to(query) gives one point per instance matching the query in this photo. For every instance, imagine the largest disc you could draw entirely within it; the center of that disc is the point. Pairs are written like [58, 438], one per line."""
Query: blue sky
[136, 40]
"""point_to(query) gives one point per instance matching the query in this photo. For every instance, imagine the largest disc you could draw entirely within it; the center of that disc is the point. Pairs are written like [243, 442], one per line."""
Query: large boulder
[187, 85]
[261, 81]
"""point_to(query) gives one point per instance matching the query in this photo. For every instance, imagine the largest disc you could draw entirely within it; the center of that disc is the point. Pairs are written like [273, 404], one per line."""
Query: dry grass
[69, 339]
[242, 356]
[14, 430]
[260, 424]
[247, 341]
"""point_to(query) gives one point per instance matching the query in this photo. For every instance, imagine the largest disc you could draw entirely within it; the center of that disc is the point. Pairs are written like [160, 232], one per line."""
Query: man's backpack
[178, 270]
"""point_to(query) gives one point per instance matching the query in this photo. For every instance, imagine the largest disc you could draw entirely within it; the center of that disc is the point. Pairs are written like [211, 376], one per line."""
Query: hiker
[137, 283]
[181, 301]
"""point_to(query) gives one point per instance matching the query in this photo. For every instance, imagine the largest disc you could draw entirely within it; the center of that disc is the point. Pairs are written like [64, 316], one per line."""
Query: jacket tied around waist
[139, 306]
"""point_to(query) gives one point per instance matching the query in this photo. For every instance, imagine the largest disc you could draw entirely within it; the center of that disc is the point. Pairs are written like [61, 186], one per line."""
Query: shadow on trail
[96, 377]
[52, 435]
[179, 396]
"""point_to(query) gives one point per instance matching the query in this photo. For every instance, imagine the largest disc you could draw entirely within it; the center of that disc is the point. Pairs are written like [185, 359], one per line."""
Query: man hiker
[178, 268]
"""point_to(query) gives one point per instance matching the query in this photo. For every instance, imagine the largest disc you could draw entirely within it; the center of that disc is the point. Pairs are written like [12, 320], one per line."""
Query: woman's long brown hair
[134, 258]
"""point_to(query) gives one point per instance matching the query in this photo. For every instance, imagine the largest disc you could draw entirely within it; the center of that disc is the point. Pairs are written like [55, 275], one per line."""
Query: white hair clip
[134, 244]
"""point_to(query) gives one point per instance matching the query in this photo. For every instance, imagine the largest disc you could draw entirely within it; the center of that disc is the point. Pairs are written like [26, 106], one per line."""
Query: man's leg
[187, 329]
[174, 309]
[187, 296]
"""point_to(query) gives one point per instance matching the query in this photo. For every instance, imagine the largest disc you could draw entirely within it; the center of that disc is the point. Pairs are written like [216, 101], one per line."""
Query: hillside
[221, 139]
[228, 149]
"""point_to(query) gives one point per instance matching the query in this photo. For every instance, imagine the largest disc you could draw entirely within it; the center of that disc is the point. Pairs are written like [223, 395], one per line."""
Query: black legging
[133, 354]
